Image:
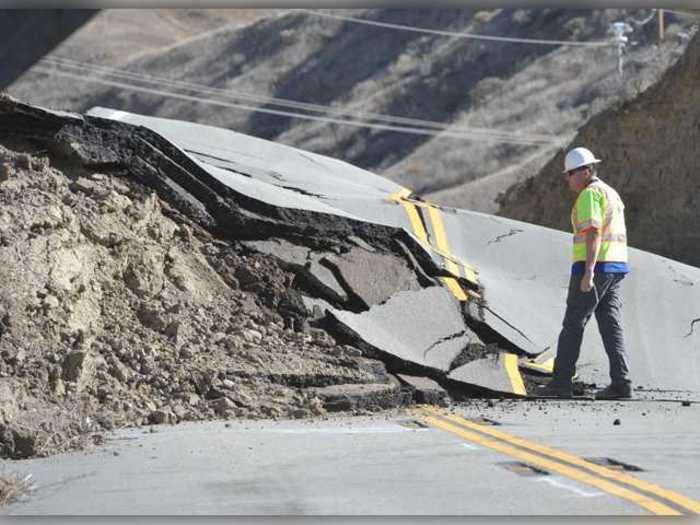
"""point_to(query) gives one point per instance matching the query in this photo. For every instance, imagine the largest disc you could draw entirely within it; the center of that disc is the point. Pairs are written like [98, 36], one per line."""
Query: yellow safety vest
[600, 206]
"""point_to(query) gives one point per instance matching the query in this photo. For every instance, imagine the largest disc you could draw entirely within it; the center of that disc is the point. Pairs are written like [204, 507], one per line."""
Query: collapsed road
[161, 271]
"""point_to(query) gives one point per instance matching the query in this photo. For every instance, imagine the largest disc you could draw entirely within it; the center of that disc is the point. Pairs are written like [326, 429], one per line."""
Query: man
[599, 265]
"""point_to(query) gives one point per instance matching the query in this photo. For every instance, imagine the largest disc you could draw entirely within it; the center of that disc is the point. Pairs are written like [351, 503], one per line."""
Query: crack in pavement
[512, 232]
[686, 283]
[509, 324]
[302, 191]
[679, 277]
[442, 340]
[692, 327]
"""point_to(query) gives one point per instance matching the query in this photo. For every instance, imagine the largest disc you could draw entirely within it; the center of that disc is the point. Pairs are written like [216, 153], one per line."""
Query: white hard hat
[577, 158]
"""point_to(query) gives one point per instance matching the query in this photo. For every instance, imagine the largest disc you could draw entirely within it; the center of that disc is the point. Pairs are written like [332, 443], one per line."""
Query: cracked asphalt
[459, 271]
[521, 312]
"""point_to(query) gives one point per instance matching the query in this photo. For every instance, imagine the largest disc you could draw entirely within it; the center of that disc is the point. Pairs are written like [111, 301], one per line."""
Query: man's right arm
[589, 212]
[593, 241]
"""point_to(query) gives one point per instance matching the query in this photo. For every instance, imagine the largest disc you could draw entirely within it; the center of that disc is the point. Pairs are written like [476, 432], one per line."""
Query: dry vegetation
[298, 56]
[13, 487]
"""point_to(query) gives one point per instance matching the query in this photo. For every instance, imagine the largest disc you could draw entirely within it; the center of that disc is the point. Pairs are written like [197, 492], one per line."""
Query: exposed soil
[138, 289]
[116, 310]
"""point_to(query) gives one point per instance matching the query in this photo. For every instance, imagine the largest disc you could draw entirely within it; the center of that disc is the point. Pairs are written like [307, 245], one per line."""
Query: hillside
[534, 96]
[649, 148]
[28, 35]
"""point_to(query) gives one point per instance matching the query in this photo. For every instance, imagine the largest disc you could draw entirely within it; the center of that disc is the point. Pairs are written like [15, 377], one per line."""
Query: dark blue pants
[605, 301]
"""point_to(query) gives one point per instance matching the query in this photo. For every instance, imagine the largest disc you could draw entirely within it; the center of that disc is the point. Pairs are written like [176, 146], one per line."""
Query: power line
[416, 125]
[455, 34]
[291, 103]
[402, 129]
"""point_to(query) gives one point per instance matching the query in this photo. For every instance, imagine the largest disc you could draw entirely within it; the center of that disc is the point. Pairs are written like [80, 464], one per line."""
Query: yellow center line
[421, 204]
[646, 502]
[511, 360]
[547, 366]
[442, 247]
[422, 235]
[516, 380]
[416, 222]
[679, 499]
[452, 263]
[401, 194]
[593, 474]
[470, 273]
[441, 238]
[455, 288]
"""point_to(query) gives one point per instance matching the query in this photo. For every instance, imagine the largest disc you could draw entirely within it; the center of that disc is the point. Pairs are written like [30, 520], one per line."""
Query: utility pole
[661, 24]
[618, 29]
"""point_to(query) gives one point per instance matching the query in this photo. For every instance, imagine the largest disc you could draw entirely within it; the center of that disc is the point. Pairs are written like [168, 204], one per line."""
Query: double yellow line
[649, 496]
[441, 246]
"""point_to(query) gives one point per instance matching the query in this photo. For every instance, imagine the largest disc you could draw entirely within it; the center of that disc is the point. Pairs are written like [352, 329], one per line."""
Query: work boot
[615, 391]
[555, 390]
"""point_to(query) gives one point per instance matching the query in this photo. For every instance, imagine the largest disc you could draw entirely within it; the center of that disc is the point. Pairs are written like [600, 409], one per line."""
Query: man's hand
[587, 282]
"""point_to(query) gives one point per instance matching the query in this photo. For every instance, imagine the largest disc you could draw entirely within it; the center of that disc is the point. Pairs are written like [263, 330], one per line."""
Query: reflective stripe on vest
[613, 245]
[610, 237]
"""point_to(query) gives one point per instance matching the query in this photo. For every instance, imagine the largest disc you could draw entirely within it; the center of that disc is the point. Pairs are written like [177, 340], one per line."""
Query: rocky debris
[139, 289]
[305, 263]
[370, 277]
[8, 403]
[489, 373]
[362, 396]
[425, 390]
[118, 310]
[354, 279]
[18, 442]
[79, 368]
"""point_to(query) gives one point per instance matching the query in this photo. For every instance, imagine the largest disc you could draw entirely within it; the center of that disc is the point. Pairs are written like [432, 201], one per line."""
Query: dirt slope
[649, 148]
[139, 289]
[511, 87]
[117, 310]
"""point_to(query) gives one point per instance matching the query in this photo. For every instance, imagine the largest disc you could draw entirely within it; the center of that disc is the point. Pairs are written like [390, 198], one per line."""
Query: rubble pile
[116, 310]
[139, 288]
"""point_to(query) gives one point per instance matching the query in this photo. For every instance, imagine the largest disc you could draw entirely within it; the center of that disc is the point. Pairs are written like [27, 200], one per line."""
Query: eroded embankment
[136, 290]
